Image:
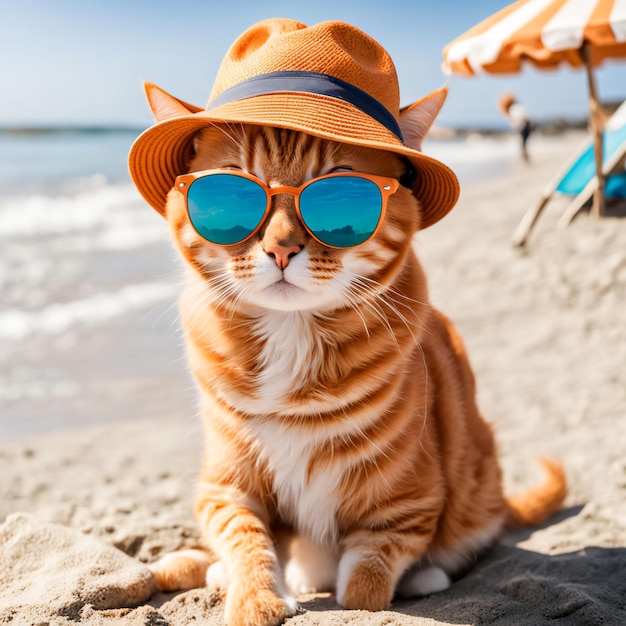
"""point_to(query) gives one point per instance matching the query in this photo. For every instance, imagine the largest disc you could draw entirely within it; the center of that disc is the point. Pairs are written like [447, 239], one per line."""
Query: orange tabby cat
[337, 402]
[343, 449]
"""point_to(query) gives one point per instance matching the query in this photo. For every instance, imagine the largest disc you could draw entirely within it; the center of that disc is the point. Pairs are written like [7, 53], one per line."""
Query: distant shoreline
[551, 126]
[18, 131]
[438, 133]
[444, 132]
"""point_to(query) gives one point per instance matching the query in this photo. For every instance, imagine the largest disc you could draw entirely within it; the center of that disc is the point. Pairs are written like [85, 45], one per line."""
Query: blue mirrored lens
[225, 208]
[342, 211]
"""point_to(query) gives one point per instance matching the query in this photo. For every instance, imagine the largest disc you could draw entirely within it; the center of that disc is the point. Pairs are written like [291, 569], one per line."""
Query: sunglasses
[340, 210]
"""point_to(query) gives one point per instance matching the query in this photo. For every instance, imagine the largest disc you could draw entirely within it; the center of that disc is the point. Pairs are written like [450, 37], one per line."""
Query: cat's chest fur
[291, 357]
[287, 452]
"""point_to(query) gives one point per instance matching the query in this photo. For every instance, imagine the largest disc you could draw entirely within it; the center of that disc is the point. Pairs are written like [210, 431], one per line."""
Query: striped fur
[343, 443]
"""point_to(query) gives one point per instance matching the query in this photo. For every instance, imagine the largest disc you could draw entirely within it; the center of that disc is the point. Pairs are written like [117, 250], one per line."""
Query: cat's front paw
[257, 607]
[364, 584]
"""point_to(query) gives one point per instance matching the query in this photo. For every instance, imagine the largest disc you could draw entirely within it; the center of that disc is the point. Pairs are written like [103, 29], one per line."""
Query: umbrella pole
[597, 208]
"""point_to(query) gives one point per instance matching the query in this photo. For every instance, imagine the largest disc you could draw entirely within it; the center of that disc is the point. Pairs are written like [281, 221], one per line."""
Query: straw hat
[329, 80]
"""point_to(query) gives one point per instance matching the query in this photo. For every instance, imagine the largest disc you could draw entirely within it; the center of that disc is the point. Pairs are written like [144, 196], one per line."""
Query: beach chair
[578, 177]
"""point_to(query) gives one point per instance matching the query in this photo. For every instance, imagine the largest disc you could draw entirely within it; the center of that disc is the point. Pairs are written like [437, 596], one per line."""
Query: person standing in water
[518, 118]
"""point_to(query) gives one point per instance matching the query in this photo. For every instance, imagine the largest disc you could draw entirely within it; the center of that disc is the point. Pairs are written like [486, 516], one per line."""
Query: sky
[71, 62]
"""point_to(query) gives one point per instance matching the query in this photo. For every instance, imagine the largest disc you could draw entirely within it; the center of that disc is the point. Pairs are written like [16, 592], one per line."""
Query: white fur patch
[395, 233]
[290, 354]
[347, 564]
[310, 504]
[188, 235]
[217, 579]
[311, 568]
[355, 262]
[205, 257]
[422, 582]
[291, 603]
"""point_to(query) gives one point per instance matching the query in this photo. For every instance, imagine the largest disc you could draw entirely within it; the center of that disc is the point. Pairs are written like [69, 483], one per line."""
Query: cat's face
[282, 267]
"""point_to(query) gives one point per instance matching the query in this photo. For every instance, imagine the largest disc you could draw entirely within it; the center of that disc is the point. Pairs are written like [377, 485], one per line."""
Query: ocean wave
[57, 318]
[113, 215]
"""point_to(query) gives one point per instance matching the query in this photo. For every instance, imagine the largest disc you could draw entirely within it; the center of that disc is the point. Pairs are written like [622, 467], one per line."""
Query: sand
[85, 509]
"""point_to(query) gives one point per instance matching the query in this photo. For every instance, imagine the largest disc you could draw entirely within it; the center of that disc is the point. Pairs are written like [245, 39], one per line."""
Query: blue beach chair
[578, 177]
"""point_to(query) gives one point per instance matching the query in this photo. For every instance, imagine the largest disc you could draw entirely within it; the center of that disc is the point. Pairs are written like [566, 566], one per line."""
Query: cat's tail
[538, 503]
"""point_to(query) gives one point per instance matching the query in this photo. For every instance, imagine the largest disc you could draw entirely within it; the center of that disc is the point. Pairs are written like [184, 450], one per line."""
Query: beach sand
[84, 509]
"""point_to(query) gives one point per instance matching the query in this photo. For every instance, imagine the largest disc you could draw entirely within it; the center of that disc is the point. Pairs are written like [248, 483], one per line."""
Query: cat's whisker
[356, 442]
[381, 297]
[234, 132]
[393, 291]
[361, 296]
[351, 300]
[353, 303]
[213, 296]
[380, 314]
[369, 288]
[241, 293]
[364, 297]
[228, 296]
[171, 306]
[385, 292]
[402, 318]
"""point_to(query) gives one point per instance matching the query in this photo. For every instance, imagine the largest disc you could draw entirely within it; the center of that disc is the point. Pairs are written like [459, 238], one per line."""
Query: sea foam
[57, 318]
[53, 246]
[114, 215]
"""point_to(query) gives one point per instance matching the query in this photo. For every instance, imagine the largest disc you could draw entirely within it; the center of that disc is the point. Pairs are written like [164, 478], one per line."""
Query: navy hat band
[310, 82]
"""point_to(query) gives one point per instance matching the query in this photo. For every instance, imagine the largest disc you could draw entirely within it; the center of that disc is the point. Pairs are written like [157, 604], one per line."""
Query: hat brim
[162, 152]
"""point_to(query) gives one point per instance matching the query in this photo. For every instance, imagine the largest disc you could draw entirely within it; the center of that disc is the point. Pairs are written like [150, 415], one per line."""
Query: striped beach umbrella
[546, 33]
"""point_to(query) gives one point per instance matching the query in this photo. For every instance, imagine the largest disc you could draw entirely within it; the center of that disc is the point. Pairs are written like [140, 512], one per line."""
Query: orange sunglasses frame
[387, 187]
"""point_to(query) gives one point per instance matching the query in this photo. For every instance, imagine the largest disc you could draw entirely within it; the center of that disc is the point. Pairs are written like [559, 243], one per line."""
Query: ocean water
[41, 161]
[477, 158]
[87, 288]
[88, 281]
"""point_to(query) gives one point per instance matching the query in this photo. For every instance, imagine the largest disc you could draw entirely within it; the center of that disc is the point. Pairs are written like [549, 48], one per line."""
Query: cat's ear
[417, 118]
[164, 106]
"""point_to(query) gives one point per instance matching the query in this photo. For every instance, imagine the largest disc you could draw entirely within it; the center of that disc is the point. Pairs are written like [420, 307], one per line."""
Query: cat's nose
[282, 254]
